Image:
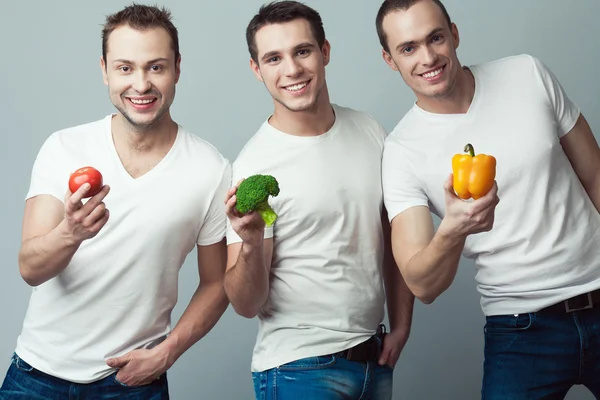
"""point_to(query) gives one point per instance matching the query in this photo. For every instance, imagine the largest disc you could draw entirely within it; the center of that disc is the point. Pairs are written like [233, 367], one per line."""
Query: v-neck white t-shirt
[118, 291]
[544, 246]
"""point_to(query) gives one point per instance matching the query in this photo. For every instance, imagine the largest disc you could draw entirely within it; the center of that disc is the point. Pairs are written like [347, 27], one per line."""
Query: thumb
[449, 186]
[117, 362]
[385, 354]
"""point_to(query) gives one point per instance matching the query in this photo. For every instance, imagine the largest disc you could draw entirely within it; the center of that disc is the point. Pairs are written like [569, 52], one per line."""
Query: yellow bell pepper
[473, 174]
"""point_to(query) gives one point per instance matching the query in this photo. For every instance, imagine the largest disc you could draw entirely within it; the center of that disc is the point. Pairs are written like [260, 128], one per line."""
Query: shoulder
[362, 121]
[201, 150]
[77, 135]
[520, 63]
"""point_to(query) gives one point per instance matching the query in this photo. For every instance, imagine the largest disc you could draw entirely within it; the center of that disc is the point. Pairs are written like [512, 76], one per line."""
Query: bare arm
[248, 262]
[247, 276]
[206, 307]
[400, 300]
[583, 152]
[427, 260]
[52, 232]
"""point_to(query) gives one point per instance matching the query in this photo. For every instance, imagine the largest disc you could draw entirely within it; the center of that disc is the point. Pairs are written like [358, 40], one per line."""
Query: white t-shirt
[118, 291]
[545, 243]
[326, 290]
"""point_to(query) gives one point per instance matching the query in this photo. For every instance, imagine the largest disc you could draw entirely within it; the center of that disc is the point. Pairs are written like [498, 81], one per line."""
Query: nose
[141, 83]
[429, 56]
[293, 68]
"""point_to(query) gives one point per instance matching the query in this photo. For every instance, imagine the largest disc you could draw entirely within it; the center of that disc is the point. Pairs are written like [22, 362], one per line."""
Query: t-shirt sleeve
[401, 187]
[213, 229]
[566, 111]
[48, 172]
[238, 173]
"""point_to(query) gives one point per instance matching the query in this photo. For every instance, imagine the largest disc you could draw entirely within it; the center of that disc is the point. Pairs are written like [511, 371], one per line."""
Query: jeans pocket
[499, 324]
[309, 363]
[21, 364]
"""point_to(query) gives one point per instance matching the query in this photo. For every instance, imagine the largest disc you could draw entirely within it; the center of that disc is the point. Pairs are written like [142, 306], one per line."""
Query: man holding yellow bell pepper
[537, 250]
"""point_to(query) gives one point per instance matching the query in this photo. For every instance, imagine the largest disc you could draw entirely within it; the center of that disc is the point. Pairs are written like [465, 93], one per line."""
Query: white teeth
[433, 73]
[134, 101]
[297, 87]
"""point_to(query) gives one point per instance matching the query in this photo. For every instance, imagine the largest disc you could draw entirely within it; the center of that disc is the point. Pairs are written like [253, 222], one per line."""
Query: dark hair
[283, 11]
[390, 6]
[140, 17]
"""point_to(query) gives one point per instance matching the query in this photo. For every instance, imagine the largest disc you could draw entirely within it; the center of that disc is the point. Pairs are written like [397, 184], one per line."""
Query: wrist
[64, 235]
[168, 350]
[448, 235]
[253, 243]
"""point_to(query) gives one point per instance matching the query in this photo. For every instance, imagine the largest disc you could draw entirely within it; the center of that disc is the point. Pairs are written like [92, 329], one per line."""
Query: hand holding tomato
[84, 221]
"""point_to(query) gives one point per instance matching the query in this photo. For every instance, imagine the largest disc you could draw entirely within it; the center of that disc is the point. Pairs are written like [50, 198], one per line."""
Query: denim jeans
[541, 355]
[324, 378]
[23, 382]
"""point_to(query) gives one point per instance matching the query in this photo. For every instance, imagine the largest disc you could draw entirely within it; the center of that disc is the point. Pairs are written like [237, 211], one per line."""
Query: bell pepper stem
[469, 149]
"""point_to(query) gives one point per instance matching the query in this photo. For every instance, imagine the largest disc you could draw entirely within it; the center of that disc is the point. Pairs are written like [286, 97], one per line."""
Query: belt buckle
[589, 305]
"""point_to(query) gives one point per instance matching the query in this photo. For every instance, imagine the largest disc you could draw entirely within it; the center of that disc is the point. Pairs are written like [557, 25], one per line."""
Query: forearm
[247, 282]
[593, 192]
[204, 310]
[400, 300]
[44, 257]
[431, 271]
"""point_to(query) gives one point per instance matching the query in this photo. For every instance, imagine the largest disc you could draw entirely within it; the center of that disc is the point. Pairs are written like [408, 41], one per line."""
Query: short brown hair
[279, 12]
[390, 6]
[140, 17]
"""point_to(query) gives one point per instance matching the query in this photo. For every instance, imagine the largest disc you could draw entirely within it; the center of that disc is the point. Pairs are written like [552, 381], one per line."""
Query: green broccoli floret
[253, 194]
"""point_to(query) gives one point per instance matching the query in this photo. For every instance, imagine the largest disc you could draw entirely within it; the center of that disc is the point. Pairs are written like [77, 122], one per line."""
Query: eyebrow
[413, 42]
[270, 54]
[154, 61]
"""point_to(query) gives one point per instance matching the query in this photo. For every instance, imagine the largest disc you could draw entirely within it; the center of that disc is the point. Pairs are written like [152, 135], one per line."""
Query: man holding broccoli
[315, 277]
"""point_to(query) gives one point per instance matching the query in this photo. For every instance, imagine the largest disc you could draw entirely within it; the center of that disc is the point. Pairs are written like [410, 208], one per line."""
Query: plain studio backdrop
[51, 79]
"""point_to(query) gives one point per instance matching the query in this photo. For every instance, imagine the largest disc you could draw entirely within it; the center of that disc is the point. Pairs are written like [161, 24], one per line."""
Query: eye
[124, 68]
[407, 50]
[304, 52]
[436, 38]
[156, 68]
[273, 59]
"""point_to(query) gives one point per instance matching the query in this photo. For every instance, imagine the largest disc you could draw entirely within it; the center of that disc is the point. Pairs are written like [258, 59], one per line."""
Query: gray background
[50, 79]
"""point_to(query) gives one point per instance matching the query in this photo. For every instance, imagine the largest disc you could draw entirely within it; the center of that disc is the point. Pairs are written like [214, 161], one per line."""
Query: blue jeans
[541, 355]
[324, 378]
[23, 382]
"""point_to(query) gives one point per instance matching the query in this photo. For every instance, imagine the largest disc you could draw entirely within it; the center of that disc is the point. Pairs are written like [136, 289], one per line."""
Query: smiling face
[291, 65]
[423, 49]
[141, 73]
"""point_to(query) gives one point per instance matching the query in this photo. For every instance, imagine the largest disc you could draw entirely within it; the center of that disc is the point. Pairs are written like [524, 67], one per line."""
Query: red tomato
[86, 175]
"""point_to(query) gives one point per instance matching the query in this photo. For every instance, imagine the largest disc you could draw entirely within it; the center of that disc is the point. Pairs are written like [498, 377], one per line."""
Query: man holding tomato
[99, 319]
[535, 236]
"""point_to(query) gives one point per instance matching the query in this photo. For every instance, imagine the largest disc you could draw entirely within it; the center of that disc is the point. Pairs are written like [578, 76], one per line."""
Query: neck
[312, 122]
[457, 100]
[146, 139]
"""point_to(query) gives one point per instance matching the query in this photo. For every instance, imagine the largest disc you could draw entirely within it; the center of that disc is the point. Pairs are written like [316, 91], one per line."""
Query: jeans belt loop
[590, 304]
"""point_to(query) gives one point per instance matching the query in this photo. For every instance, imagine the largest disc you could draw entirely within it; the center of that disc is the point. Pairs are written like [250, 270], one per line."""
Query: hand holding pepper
[464, 218]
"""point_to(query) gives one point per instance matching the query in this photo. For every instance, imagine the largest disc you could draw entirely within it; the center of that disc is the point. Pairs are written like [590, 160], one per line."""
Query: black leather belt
[584, 301]
[367, 351]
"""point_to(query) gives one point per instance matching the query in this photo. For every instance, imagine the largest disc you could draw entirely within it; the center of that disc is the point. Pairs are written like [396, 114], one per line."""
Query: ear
[326, 51]
[177, 69]
[103, 68]
[387, 57]
[256, 69]
[455, 35]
